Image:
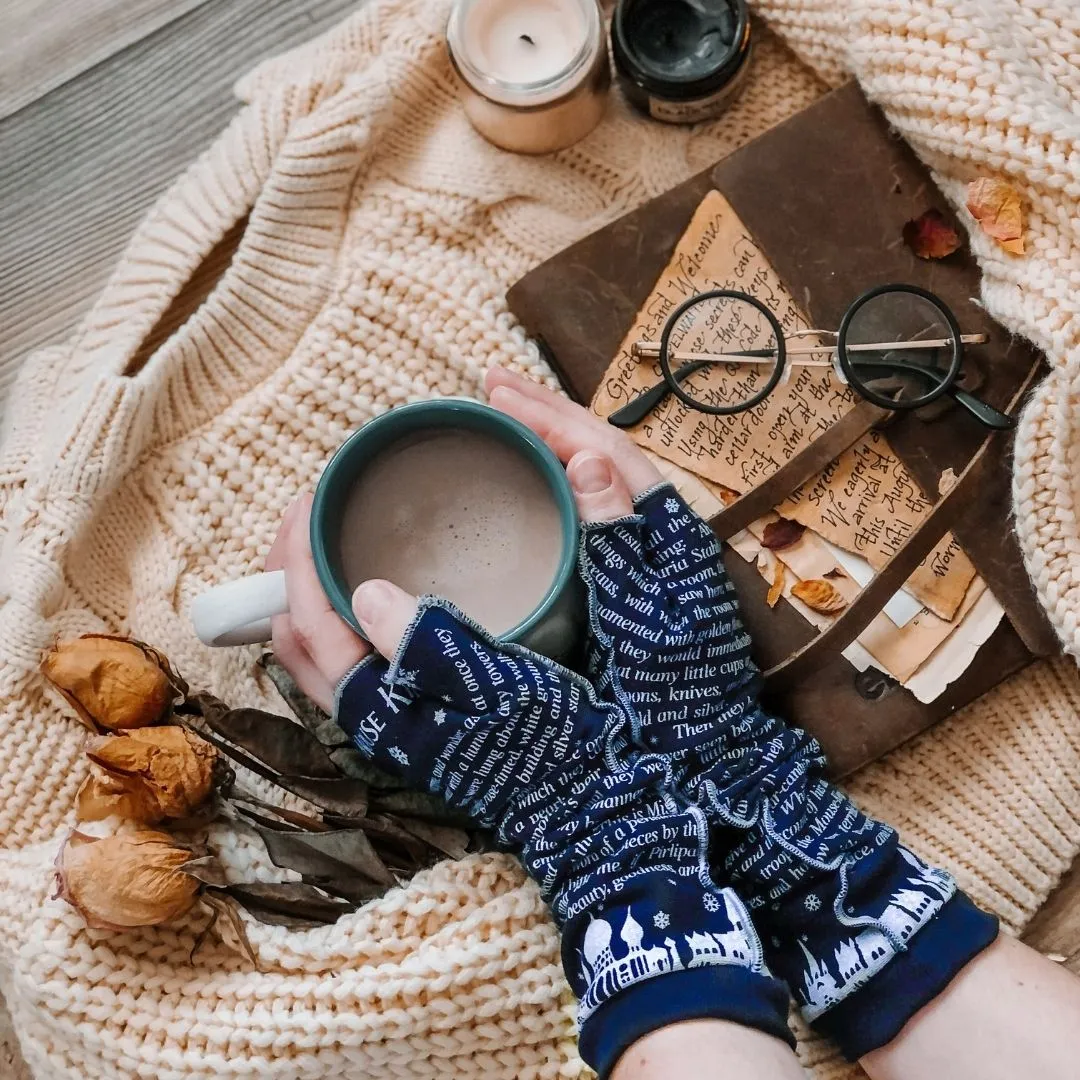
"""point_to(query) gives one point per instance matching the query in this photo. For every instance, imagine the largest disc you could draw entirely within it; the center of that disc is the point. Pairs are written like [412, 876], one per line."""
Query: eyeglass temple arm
[634, 411]
[982, 411]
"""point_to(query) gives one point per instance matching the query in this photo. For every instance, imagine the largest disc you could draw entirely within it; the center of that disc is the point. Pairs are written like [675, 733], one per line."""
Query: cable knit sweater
[378, 234]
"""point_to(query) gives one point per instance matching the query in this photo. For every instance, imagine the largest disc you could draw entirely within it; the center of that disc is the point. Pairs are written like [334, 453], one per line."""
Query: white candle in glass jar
[518, 41]
[534, 72]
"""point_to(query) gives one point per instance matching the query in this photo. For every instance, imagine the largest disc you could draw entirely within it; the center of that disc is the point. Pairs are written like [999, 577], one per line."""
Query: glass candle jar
[681, 60]
[534, 73]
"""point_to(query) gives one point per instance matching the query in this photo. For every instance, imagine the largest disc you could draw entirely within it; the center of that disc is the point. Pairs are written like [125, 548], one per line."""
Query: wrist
[668, 951]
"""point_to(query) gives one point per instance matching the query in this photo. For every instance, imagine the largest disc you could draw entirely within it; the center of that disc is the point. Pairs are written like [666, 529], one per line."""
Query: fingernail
[370, 600]
[591, 474]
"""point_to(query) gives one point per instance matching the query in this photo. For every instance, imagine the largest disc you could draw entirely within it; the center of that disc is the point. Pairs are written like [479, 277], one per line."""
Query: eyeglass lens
[900, 348]
[723, 353]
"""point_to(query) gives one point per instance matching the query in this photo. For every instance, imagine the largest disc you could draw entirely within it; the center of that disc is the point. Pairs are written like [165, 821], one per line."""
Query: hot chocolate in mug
[448, 497]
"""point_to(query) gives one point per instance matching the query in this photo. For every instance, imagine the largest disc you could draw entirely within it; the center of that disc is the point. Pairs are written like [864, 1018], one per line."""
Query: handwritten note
[865, 501]
[905, 652]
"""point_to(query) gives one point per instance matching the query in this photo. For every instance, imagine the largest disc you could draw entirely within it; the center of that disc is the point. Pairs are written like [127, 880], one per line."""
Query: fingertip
[384, 612]
[298, 510]
[599, 489]
[502, 397]
[498, 376]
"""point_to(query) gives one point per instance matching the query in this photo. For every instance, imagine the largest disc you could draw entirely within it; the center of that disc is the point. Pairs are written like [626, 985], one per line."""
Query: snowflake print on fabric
[398, 755]
[812, 902]
[439, 717]
[671, 506]
[710, 902]
[661, 920]
[406, 679]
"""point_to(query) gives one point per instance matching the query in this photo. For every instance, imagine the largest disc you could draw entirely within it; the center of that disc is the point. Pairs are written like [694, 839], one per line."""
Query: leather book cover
[825, 195]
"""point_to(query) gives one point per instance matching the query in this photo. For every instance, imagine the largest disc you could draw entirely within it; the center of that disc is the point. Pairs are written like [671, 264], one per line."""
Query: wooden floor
[102, 103]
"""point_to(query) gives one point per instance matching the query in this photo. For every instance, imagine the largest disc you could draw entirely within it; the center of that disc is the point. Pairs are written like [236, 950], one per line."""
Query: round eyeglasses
[724, 351]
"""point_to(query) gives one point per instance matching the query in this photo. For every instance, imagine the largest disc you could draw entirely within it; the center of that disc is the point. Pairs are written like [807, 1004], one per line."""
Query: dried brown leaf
[331, 854]
[450, 841]
[995, 205]
[295, 904]
[295, 818]
[272, 823]
[782, 533]
[931, 235]
[418, 804]
[350, 762]
[343, 796]
[283, 745]
[819, 595]
[776, 589]
[206, 869]
[355, 889]
[304, 709]
[226, 911]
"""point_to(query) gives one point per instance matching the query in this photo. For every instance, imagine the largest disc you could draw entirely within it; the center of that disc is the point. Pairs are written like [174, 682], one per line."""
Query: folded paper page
[866, 501]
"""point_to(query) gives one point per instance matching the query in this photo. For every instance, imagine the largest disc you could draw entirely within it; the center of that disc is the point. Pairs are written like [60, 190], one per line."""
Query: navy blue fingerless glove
[863, 932]
[527, 749]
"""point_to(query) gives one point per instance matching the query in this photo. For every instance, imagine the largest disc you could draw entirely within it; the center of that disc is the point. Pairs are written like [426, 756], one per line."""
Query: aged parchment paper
[865, 501]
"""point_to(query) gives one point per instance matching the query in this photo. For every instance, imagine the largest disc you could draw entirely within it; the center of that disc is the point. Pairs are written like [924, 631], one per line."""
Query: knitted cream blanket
[380, 235]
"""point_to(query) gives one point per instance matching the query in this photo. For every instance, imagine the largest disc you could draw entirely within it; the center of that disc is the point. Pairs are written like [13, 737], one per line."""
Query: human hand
[311, 640]
[530, 750]
[318, 647]
[824, 880]
[665, 632]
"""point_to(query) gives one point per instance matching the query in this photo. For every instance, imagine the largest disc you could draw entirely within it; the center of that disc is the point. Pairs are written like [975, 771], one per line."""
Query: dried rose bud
[112, 683]
[130, 879]
[146, 775]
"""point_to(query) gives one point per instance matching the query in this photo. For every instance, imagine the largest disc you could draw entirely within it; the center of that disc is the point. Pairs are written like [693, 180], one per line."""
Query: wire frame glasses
[723, 352]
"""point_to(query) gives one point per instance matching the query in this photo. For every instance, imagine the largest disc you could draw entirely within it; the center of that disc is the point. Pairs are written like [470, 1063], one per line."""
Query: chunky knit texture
[379, 238]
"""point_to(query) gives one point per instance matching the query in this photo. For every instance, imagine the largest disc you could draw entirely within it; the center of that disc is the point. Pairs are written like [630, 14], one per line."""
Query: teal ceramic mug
[239, 612]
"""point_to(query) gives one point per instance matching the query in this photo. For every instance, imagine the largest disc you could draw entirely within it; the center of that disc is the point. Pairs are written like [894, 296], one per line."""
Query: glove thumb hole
[599, 489]
[384, 612]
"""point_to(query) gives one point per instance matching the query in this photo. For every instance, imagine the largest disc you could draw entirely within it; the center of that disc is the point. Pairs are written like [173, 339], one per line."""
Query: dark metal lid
[680, 50]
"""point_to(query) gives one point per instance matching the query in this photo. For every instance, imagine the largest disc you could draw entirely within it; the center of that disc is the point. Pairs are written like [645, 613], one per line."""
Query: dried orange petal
[148, 775]
[995, 205]
[112, 683]
[776, 589]
[819, 595]
[130, 879]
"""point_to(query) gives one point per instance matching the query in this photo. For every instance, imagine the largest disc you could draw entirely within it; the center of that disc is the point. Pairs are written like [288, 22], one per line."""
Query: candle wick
[527, 39]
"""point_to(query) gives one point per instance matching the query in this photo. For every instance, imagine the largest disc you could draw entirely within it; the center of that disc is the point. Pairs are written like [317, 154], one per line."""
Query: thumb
[384, 612]
[600, 491]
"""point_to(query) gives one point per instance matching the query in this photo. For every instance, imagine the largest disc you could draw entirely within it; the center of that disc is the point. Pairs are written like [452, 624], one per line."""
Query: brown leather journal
[825, 196]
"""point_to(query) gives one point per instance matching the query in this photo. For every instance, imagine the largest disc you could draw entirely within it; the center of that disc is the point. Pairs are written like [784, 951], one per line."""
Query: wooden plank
[1056, 927]
[80, 166]
[44, 44]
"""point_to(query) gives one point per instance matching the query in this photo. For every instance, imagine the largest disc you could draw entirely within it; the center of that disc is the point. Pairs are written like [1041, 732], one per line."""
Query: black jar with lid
[681, 60]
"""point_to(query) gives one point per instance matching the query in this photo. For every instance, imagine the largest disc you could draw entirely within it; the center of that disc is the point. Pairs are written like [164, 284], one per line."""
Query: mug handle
[239, 612]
